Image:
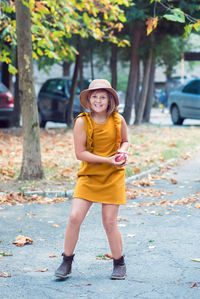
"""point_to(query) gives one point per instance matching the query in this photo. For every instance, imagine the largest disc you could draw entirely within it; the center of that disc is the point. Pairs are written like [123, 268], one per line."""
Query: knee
[75, 219]
[109, 224]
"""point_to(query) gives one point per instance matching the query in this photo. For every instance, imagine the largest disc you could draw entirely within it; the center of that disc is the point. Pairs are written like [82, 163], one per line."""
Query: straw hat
[94, 85]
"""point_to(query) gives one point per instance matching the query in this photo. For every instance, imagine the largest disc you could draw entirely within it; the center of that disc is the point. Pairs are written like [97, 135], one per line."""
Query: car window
[3, 88]
[55, 86]
[192, 87]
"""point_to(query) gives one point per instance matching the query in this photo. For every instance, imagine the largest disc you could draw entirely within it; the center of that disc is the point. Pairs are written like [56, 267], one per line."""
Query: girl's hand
[116, 161]
[124, 154]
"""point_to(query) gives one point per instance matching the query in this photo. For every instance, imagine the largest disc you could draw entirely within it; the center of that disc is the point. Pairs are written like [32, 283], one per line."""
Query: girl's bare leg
[78, 212]
[109, 217]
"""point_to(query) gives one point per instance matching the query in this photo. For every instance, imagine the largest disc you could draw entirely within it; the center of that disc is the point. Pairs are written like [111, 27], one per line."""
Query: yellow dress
[103, 183]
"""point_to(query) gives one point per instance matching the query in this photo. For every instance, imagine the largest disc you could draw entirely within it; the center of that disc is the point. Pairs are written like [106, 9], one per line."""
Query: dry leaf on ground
[3, 253]
[196, 260]
[194, 284]
[22, 240]
[197, 206]
[174, 181]
[55, 225]
[42, 270]
[4, 274]
[105, 256]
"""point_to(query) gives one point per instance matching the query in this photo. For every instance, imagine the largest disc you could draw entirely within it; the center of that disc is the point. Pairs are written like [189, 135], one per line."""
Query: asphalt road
[159, 243]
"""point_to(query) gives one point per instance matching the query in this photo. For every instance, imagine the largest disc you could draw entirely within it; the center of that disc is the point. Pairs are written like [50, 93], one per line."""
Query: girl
[100, 138]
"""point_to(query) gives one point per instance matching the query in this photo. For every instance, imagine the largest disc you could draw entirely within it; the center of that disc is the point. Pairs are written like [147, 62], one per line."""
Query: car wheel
[175, 115]
[42, 122]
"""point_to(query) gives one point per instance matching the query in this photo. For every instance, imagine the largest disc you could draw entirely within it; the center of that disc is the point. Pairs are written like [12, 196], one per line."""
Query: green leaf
[188, 29]
[12, 69]
[176, 16]
[86, 19]
[3, 253]
[35, 28]
[152, 1]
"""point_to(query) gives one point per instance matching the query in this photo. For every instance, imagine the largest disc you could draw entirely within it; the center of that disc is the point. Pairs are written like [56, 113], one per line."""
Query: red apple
[120, 157]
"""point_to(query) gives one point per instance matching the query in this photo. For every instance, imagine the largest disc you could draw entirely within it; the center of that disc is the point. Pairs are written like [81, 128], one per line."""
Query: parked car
[185, 102]
[53, 100]
[176, 81]
[6, 104]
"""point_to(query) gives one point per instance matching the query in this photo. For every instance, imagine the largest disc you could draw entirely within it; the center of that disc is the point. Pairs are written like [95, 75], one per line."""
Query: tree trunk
[17, 107]
[91, 63]
[69, 118]
[31, 162]
[148, 106]
[144, 92]
[81, 76]
[66, 68]
[113, 65]
[133, 73]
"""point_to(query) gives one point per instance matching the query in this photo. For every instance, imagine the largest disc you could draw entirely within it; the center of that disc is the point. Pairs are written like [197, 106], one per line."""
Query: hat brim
[84, 96]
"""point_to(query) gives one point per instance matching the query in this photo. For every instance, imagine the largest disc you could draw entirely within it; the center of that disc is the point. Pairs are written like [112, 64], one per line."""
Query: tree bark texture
[17, 107]
[132, 87]
[91, 63]
[144, 92]
[69, 118]
[66, 68]
[148, 106]
[31, 162]
[113, 65]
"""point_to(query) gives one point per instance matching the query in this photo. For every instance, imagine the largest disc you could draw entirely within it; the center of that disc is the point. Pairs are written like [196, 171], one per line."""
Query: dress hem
[105, 202]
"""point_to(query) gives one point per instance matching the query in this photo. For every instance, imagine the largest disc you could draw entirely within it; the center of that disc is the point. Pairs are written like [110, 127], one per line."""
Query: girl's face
[99, 101]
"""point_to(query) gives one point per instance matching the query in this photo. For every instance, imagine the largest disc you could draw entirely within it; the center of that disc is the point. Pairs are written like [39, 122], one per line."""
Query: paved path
[159, 244]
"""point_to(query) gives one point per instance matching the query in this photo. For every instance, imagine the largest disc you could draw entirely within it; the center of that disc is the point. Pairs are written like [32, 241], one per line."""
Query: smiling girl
[100, 137]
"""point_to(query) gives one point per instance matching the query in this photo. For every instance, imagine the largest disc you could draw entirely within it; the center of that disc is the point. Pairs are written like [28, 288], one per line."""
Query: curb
[69, 193]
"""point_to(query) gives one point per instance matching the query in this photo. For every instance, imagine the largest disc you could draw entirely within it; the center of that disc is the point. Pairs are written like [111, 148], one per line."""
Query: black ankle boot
[119, 269]
[66, 266]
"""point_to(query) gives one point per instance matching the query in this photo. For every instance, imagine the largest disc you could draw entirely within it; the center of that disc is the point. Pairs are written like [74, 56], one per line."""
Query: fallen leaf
[3, 253]
[42, 270]
[194, 284]
[22, 240]
[121, 225]
[87, 284]
[105, 256]
[4, 274]
[122, 219]
[55, 225]
[174, 181]
[197, 206]
[196, 260]
[108, 255]
[131, 236]
[136, 170]
[52, 255]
